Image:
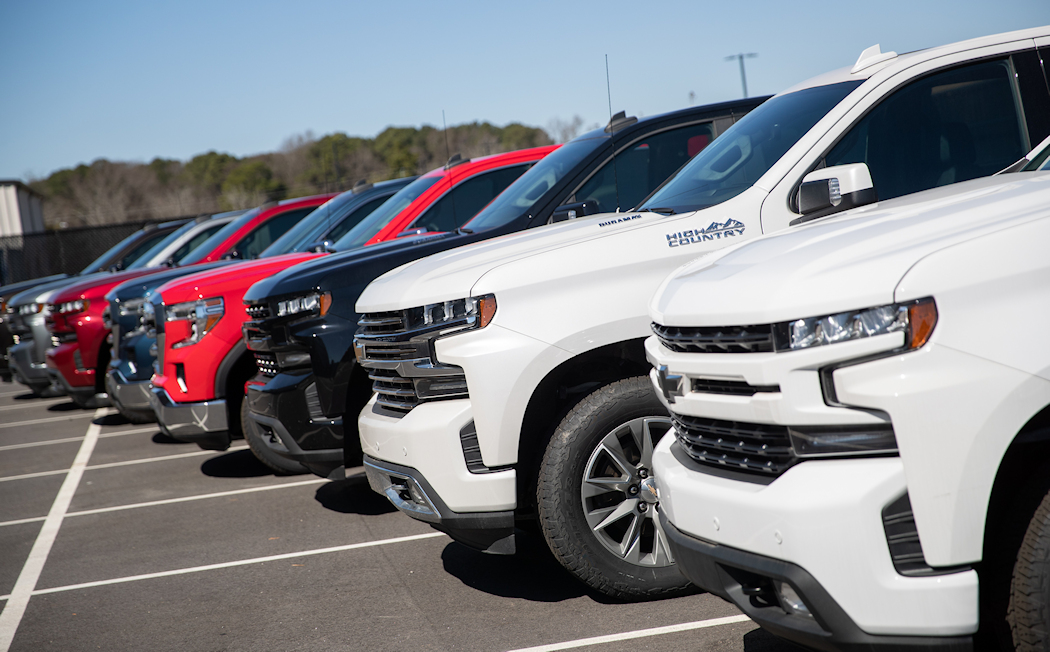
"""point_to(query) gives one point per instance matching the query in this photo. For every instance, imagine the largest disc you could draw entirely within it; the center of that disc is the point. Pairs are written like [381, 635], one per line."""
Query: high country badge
[714, 232]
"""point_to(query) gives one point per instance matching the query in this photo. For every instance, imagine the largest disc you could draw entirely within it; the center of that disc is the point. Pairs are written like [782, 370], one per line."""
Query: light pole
[743, 75]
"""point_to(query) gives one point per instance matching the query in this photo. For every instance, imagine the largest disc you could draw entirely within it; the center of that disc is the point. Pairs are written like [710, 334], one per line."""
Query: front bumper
[130, 396]
[204, 424]
[409, 491]
[292, 425]
[746, 580]
[24, 369]
[825, 518]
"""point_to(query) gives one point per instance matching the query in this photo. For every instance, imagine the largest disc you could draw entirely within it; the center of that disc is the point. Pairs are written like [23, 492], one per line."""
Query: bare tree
[561, 131]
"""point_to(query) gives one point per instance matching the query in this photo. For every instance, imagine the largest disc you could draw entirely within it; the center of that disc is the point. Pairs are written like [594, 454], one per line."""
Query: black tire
[254, 436]
[585, 443]
[1029, 610]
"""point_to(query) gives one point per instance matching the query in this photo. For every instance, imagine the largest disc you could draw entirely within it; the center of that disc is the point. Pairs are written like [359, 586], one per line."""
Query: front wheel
[1029, 611]
[254, 436]
[596, 494]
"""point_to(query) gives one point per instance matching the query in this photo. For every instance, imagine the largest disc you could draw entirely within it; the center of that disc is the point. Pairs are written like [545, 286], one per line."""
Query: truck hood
[39, 293]
[142, 286]
[93, 287]
[12, 289]
[851, 261]
[452, 274]
[238, 276]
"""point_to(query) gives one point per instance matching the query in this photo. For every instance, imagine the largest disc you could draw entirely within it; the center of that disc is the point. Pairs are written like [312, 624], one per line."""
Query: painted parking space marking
[233, 564]
[31, 422]
[146, 460]
[640, 633]
[16, 605]
[37, 403]
[171, 501]
[67, 440]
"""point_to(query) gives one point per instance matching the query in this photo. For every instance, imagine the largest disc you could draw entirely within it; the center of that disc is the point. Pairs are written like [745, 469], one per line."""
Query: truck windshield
[209, 245]
[380, 217]
[739, 157]
[106, 259]
[520, 196]
[145, 258]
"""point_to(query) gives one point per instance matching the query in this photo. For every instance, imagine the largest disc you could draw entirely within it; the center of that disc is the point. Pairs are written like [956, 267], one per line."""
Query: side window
[354, 218]
[949, 127]
[262, 237]
[465, 200]
[643, 166]
[195, 242]
[142, 247]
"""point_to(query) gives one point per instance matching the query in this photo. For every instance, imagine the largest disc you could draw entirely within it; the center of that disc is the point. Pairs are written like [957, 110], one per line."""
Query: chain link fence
[24, 257]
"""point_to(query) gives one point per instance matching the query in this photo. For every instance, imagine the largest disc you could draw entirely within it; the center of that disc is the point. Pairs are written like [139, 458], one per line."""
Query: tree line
[109, 192]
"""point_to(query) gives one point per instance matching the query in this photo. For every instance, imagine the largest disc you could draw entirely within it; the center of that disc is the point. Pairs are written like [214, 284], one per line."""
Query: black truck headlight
[824, 441]
[314, 302]
[916, 319]
[202, 315]
[131, 306]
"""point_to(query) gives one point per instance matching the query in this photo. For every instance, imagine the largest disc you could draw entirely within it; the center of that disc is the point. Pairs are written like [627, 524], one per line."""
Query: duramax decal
[714, 232]
[620, 219]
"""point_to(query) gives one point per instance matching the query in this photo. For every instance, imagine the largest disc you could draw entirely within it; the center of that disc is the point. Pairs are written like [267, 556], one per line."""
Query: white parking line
[640, 633]
[36, 403]
[233, 564]
[16, 392]
[31, 422]
[49, 442]
[170, 501]
[163, 458]
[27, 579]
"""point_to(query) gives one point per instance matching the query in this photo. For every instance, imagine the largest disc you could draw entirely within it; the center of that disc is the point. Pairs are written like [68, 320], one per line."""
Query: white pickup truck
[547, 327]
[861, 407]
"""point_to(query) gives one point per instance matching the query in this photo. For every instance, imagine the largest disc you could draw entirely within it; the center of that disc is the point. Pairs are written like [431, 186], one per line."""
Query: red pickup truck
[78, 361]
[203, 363]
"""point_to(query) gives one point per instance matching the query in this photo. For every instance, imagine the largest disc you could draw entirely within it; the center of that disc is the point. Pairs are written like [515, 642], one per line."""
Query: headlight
[315, 302]
[202, 315]
[132, 306]
[915, 319]
[30, 309]
[73, 306]
[472, 312]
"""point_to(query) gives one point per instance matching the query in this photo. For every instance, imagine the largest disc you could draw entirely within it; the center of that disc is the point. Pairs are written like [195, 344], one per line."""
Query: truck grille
[267, 364]
[400, 362]
[749, 447]
[258, 311]
[716, 339]
[393, 391]
[381, 323]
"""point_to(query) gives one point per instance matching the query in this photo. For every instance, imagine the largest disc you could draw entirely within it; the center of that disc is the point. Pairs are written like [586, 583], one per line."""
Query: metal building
[21, 211]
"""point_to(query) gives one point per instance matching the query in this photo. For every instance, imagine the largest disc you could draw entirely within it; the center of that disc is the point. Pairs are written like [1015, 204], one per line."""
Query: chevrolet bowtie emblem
[670, 384]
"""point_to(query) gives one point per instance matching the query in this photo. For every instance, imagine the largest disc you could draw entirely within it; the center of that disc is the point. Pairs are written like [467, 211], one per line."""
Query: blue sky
[131, 80]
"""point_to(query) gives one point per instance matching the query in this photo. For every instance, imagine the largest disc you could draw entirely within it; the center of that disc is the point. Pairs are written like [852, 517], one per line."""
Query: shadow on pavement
[759, 640]
[64, 407]
[112, 420]
[530, 574]
[352, 496]
[238, 464]
[161, 438]
[28, 396]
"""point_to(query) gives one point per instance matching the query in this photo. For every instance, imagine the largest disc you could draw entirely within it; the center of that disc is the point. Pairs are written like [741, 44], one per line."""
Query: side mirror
[833, 190]
[232, 255]
[170, 262]
[575, 210]
[320, 247]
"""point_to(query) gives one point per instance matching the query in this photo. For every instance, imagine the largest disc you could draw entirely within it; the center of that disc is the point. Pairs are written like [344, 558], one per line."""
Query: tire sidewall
[562, 470]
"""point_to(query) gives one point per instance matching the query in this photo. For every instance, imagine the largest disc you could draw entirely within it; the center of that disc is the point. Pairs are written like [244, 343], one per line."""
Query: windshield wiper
[662, 211]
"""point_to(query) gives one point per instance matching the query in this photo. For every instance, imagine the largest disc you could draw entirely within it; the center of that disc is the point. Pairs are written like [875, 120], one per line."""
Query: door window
[465, 200]
[195, 242]
[636, 171]
[262, 237]
[948, 127]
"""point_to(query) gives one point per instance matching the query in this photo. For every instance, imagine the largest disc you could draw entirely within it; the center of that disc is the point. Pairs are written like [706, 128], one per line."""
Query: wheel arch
[237, 367]
[554, 396]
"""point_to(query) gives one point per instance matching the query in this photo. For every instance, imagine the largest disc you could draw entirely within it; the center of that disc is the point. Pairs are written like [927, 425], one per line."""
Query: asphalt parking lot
[115, 537]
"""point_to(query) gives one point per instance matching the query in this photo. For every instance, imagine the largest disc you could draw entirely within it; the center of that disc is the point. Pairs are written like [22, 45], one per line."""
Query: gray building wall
[21, 210]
